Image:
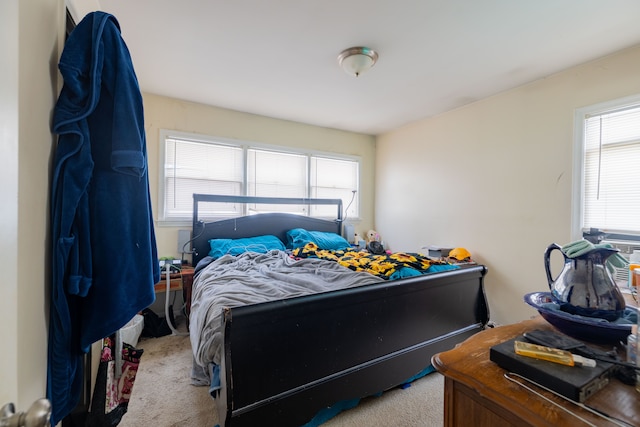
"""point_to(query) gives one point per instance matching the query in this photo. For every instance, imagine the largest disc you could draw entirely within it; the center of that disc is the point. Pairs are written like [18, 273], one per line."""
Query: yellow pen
[555, 355]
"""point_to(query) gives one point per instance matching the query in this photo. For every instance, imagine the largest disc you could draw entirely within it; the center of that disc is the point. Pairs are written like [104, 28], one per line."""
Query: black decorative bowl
[584, 328]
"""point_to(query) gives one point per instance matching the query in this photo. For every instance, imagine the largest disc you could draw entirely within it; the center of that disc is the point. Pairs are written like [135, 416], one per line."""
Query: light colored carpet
[163, 396]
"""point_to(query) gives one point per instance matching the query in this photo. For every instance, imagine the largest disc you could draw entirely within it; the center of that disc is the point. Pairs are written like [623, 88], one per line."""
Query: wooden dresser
[478, 394]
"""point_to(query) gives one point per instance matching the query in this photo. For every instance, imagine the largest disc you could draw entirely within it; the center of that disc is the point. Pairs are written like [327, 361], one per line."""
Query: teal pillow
[299, 237]
[260, 244]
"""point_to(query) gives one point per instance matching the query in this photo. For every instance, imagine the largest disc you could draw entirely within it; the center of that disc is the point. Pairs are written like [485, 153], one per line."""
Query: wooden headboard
[274, 223]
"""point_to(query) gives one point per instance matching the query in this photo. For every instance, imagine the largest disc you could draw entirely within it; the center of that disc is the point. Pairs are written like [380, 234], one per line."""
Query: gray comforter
[231, 281]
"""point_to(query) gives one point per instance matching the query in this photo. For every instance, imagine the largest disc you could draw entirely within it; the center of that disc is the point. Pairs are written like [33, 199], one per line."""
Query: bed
[293, 361]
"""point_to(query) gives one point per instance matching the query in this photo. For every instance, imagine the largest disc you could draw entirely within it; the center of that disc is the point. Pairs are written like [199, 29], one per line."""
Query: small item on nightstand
[635, 277]
[554, 355]
[574, 382]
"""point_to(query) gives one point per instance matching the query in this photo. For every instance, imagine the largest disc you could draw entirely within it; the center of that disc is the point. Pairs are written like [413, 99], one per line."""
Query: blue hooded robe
[104, 256]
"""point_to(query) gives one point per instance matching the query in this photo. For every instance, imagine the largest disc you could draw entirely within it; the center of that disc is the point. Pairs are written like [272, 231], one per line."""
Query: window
[196, 164]
[609, 143]
[339, 183]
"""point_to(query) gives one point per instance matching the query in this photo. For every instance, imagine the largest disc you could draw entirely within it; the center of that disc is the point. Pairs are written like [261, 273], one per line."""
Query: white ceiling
[278, 58]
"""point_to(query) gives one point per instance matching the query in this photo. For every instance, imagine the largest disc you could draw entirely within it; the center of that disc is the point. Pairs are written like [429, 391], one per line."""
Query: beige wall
[168, 113]
[496, 176]
[32, 33]
[9, 208]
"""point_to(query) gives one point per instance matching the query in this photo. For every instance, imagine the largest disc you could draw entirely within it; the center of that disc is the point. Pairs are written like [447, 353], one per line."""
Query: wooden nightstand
[175, 282]
[478, 394]
[187, 284]
[179, 281]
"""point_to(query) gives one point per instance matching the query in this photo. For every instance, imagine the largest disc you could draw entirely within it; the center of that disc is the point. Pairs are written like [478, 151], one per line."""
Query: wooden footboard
[286, 360]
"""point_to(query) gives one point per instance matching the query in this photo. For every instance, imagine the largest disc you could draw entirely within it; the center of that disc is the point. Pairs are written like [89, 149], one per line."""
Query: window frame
[245, 145]
[577, 200]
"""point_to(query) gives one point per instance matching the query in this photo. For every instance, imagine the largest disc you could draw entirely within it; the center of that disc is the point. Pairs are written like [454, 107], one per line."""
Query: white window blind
[276, 174]
[611, 198]
[334, 179]
[198, 165]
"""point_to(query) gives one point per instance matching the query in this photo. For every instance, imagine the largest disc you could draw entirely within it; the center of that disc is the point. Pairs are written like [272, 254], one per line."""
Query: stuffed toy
[373, 236]
[374, 245]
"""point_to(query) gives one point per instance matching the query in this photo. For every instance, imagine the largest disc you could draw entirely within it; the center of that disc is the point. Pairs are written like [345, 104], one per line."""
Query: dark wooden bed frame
[285, 360]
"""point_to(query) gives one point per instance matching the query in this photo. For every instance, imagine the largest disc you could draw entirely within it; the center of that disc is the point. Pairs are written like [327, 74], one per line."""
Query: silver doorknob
[38, 415]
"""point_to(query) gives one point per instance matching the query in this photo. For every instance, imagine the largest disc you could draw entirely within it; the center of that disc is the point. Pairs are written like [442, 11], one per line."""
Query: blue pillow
[260, 244]
[299, 237]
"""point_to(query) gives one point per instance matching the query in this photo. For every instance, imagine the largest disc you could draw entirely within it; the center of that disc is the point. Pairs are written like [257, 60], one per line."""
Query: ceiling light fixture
[357, 60]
